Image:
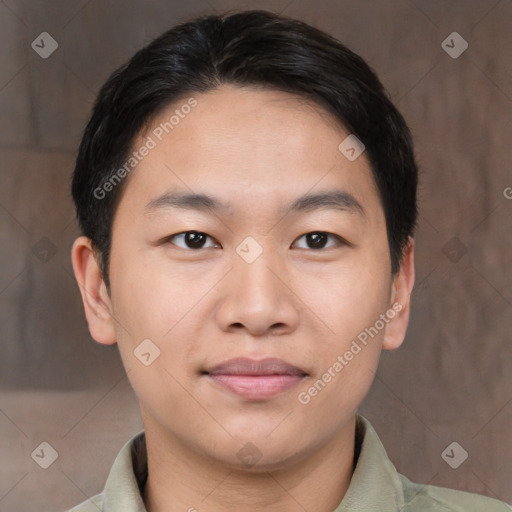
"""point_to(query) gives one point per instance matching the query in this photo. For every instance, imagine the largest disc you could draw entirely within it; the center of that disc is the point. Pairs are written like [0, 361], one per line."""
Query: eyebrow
[328, 200]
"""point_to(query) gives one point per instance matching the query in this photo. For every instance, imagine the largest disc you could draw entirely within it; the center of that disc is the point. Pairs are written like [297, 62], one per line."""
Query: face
[286, 258]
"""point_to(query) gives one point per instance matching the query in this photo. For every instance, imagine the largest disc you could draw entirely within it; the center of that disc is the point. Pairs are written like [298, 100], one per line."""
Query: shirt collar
[126, 480]
[374, 486]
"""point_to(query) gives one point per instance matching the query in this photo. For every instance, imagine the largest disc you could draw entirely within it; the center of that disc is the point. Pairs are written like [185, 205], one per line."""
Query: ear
[401, 290]
[94, 293]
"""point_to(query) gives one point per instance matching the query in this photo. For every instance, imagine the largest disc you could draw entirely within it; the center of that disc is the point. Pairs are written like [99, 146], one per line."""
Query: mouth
[255, 379]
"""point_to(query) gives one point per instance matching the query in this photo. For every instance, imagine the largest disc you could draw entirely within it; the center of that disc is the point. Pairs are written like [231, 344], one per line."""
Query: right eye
[190, 240]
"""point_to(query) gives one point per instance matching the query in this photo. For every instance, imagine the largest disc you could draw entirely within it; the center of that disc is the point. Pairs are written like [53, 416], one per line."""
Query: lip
[255, 379]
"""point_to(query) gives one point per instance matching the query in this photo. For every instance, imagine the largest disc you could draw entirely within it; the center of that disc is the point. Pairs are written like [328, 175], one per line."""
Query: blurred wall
[450, 381]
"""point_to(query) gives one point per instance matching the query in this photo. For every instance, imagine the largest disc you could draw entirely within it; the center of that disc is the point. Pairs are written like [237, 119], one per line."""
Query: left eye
[318, 240]
[192, 239]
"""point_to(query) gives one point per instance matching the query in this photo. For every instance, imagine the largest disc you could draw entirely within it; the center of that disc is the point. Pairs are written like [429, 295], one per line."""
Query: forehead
[251, 146]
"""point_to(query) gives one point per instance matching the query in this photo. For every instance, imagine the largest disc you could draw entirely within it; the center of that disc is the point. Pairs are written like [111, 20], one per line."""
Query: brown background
[450, 381]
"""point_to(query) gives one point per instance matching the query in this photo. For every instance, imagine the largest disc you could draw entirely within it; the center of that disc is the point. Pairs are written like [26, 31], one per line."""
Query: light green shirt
[376, 486]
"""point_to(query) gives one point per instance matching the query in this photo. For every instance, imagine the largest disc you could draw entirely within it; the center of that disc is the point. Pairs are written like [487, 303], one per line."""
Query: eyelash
[340, 241]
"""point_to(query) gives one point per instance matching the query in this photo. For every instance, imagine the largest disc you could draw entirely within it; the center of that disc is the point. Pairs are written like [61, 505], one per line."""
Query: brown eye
[319, 239]
[190, 240]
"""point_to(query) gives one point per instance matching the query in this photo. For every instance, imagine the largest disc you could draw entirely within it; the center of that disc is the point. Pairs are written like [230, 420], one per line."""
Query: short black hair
[247, 48]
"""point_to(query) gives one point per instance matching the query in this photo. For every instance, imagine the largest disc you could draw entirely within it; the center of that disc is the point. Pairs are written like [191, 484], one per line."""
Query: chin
[256, 458]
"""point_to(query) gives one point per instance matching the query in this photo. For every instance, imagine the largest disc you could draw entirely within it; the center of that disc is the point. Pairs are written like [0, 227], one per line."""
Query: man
[247, 196]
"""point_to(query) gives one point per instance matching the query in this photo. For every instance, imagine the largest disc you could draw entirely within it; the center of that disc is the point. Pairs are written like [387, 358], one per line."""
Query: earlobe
[94, 294]
[400, 300]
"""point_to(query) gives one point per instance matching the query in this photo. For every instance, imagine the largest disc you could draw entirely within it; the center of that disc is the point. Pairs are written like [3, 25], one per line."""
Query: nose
[257, 298]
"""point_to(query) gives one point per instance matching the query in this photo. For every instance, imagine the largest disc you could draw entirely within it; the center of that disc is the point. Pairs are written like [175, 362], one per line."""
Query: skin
[256, 150]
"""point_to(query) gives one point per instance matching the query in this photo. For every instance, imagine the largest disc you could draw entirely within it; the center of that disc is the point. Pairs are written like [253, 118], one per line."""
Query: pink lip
[255, 379]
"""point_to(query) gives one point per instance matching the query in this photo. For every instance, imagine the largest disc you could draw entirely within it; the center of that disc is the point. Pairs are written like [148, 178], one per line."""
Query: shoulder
[419, 498]
[377, 485]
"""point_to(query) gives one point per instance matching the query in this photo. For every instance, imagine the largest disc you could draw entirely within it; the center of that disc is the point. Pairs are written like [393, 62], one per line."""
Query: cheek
[156, 342]
[157, 312]
[347, 355]
[150, 298]
[349, 304]
[348, 300]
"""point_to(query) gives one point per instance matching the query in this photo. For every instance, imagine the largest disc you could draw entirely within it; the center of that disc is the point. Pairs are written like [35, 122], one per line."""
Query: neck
[180, 479]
